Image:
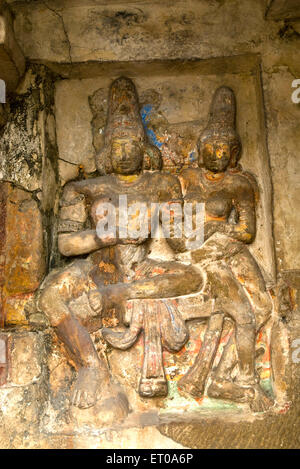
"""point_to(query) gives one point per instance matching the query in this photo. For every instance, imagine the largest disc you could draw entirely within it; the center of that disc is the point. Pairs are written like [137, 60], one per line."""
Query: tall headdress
[221, 121]
[124, 121]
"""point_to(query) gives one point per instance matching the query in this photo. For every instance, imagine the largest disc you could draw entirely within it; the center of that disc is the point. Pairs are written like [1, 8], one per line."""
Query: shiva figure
[116, 268]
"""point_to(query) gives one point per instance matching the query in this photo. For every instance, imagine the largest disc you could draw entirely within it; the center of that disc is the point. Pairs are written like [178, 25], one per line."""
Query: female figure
[233, 276]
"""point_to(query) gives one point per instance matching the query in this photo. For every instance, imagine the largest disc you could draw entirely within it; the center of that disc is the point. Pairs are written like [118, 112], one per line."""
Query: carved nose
[123, 157]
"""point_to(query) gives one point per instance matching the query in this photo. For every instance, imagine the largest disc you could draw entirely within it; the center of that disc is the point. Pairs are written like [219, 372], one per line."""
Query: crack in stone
[66, 161]
[64, 29]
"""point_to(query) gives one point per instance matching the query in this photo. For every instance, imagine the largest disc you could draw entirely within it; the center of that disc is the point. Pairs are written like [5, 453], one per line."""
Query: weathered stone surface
[139, 38]
[283, 9]
[12, 61]
[28, 151]
[22, 251]
[75, 147]
[174, 116]
[284, 140]
[137, 31]
[90, 34]
[274, 430]
[23, 395]
[27, 137]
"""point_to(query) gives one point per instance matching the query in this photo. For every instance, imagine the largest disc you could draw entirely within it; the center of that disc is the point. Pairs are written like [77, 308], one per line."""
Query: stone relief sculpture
[125, 159]
[119, 279]
[233, 276]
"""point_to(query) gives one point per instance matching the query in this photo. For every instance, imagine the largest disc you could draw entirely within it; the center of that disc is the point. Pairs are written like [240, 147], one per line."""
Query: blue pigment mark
[145, 114]
[192, 155]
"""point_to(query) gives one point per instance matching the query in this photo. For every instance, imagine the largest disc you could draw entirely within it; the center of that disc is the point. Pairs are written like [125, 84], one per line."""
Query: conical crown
[221, 121]
[124, 119]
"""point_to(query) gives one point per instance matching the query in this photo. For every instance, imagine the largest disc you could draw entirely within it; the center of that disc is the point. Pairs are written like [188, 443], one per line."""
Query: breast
[218, 206]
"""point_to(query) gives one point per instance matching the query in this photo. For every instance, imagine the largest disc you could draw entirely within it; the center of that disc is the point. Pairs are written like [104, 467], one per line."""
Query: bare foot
[260, 402]
[188, 387]
[253, 395]
[92, 389]
[223, 389]
[153, 387]
[87, 387]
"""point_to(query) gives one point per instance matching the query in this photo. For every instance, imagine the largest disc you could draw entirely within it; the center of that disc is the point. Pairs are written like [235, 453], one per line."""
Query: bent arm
[73, 238]
[84, 242]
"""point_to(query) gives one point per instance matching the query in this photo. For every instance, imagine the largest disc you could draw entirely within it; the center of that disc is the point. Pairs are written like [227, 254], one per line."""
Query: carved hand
[96, 301]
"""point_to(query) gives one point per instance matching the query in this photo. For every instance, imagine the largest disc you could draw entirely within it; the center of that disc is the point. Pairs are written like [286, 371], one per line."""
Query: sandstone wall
[177, 52]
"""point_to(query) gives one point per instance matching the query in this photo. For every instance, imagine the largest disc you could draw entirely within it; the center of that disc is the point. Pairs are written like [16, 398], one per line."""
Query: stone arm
[73, 238]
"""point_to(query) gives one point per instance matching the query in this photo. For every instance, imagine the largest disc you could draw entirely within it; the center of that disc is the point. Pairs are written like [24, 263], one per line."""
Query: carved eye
[222, 150]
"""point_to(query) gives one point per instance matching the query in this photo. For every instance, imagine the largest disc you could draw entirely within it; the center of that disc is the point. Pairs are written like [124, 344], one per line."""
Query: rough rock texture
[268, 431]
[28, 151]
[28, 165]
[177, 52]
[23, 395]
[282, 9]
[28, 138]
[174, 104]
[22, 252]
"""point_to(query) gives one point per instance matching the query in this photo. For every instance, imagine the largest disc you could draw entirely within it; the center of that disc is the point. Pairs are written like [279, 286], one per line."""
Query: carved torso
[147, 188]
[220, 196]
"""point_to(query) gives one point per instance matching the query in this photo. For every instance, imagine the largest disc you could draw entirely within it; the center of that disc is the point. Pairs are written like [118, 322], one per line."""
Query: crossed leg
[58, 292]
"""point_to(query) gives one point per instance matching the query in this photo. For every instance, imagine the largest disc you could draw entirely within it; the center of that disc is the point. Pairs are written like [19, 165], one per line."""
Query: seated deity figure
[108, 269]
[232, 275]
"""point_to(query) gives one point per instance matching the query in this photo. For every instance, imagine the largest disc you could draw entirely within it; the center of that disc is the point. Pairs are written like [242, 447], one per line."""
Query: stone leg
[247, 272]
[223, 387]
[193, 382]
[230, 300]
[57, 301]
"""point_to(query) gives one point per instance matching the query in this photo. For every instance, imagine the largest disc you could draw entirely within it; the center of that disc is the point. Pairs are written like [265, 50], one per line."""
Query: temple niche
[122, 338]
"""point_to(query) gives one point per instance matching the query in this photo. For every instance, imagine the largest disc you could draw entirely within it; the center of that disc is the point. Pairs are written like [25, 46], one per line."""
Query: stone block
[22, 252]
[23, 395]
[174, 104]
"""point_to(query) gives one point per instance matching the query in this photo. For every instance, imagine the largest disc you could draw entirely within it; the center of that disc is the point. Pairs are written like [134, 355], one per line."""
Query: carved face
[216, 155]
[126, 156]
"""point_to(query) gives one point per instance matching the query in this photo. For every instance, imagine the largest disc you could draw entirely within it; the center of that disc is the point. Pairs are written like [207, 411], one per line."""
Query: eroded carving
[119, 279]
[233, 276]
[118, 268]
